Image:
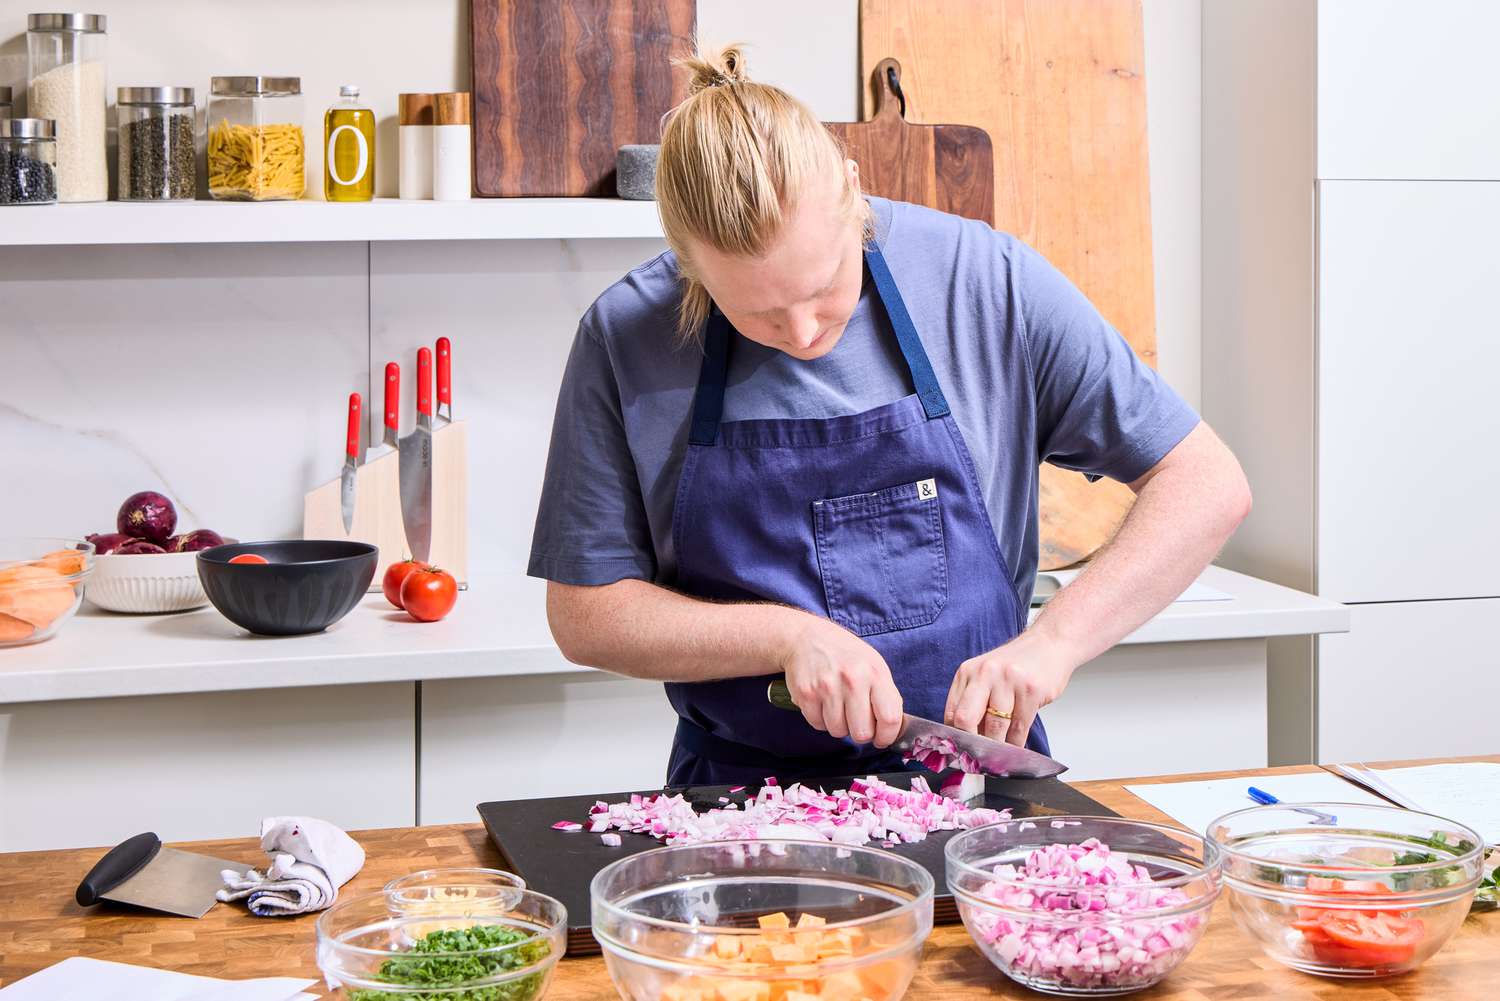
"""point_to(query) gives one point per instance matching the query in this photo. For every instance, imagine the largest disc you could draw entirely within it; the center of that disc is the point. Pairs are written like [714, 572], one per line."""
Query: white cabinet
[1406, 89]
[1351, 193]
[1412, 679]
[1408, 412]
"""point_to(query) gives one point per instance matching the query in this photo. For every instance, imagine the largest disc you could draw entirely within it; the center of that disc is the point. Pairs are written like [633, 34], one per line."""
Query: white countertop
[497, 629]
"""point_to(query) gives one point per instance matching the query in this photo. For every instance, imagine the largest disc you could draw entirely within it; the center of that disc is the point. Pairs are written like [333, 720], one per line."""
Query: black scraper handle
[120, 863]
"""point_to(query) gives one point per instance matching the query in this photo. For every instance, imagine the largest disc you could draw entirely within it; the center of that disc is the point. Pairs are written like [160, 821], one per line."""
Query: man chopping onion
[805, 441]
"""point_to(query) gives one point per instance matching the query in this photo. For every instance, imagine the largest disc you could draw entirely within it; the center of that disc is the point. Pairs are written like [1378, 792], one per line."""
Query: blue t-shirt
[1031, 370]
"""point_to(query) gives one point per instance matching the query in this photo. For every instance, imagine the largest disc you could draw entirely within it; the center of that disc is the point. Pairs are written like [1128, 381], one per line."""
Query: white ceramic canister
[414, 136]
[451, 148]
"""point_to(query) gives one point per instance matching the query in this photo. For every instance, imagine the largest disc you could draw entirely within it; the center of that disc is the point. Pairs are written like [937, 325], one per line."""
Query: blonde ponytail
[735, 157]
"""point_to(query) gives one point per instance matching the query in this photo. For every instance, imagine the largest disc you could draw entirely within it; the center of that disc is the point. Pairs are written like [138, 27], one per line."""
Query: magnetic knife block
[377, 506]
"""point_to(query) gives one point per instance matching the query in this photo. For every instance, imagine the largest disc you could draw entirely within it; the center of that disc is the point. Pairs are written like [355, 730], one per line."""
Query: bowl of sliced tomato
[1373, 892]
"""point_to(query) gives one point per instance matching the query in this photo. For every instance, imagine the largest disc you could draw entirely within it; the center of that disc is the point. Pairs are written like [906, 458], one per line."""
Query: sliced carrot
[13, 630]
[65, 561]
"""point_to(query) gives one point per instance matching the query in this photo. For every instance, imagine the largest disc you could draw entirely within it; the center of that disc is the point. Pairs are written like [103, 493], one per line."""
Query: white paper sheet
[1465, 791]
[1195, 805]
[81, 977]
[1195, 592]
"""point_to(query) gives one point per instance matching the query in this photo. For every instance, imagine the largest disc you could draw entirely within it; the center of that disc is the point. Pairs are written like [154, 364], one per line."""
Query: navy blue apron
[873, 520]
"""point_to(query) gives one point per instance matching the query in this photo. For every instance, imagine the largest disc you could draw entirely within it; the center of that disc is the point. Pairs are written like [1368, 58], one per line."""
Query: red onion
[107, 542]
[147, 515]
[938, 754]
[138, 547]
[567, 825]
[1098, 923]
[192, 542]
[869, 810]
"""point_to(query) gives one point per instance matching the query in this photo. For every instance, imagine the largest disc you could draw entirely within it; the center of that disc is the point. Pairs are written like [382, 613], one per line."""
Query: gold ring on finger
[992, 711]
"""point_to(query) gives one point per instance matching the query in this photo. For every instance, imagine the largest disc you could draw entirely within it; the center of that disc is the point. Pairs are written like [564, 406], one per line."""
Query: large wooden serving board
[1060, 87]
[946, 167]
[561, 864]
[560, 85]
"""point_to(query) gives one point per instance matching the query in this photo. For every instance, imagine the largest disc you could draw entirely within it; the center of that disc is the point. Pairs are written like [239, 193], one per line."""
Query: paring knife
[445, 379]
[414, 465]
[994, 756]
[392, 403]
[352, 459]
[140, 871]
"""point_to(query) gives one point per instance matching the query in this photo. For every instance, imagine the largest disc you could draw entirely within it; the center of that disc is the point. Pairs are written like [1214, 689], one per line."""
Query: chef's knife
[392, 403]
[445, 379]
[352, 459]
[140, 871]
[994, 756]
[414, 465]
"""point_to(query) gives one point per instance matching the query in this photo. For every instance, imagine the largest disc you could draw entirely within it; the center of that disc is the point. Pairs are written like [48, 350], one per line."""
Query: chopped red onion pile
[938, 754]
[869, 810]
[1089, 931]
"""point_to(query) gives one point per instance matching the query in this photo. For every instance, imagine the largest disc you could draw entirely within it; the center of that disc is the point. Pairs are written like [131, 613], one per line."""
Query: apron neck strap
[708, 401]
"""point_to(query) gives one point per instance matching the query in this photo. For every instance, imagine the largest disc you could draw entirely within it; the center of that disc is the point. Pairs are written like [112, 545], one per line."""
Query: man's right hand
[841, 683]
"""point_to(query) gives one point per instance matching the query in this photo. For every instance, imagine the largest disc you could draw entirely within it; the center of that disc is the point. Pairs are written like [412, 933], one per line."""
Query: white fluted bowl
[147, 583]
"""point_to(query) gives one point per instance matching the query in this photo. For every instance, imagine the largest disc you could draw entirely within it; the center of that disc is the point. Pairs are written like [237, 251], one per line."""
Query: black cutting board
[561, 864]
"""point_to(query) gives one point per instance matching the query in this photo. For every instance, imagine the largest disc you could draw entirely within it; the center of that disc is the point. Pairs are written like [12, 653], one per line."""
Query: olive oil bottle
[349, 156]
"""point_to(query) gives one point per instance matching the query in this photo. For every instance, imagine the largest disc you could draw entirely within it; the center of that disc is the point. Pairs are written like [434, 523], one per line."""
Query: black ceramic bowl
[308, 585]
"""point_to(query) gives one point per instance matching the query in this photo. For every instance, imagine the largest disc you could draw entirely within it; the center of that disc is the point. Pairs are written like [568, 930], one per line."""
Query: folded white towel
[310, 860]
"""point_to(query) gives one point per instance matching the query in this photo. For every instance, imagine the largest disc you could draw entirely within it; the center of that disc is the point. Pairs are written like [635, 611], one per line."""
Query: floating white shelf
[499, 628]
[106, 223]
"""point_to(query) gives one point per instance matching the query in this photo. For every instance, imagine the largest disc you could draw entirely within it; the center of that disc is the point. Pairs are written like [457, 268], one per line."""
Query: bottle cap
[415, 109]
[453, 109]
[349, 90]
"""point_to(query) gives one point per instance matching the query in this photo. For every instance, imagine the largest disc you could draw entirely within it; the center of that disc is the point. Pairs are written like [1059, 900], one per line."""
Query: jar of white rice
[67, 81]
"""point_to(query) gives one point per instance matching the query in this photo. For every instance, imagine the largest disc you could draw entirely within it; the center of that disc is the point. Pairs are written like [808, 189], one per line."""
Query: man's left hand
[1018, 678]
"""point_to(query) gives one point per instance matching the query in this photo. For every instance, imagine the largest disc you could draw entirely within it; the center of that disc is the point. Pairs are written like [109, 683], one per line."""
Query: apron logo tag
[927, 489]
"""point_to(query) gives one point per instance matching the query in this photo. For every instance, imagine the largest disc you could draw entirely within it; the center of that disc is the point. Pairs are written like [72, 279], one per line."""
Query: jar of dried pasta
[256, 150]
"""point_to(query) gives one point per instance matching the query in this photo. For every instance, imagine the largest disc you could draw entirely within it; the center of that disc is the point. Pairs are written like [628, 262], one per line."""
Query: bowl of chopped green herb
[370, 951]
[1373, 892]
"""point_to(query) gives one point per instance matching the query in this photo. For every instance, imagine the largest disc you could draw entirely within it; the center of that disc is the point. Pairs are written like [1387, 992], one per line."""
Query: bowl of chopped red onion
[1083, 906]
[732, 919]
[1348, 890]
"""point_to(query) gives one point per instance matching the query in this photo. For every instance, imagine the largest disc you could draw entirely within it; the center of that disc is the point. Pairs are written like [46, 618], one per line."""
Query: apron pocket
[882, 558]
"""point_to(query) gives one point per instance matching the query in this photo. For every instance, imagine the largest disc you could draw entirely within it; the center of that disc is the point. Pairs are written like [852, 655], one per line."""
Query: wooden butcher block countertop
[40, 925]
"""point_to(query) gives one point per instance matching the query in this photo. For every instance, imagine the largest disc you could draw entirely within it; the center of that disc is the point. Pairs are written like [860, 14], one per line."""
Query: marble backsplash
[219, 374]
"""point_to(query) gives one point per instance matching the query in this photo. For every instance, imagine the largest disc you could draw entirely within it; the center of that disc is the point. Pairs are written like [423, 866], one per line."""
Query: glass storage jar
[66, 79]
[28, 161]
[157, 137]
[256, 150]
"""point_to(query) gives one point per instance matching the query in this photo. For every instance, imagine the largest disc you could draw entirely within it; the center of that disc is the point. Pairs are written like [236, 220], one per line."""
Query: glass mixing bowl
[1043, 931]
[763, 920]
[1373, 894]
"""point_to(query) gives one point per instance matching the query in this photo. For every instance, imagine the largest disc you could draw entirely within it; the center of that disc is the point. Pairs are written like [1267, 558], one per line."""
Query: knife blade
[414, 466]
[445, 379]
[994, 756]
[351, 462]
[392, 403]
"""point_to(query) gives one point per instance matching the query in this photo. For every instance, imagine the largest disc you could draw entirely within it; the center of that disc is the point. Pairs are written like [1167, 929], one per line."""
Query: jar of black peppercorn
[28, 161]
[157, 144]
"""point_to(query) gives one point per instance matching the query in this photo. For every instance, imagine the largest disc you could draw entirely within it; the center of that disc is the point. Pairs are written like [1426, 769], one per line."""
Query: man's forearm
[639, 629]
[1184, 512]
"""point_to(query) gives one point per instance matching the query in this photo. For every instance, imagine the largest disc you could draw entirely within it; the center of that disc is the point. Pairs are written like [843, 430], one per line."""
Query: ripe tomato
[428, 593]
[1368, 938]
[394, 575]
[249, 558]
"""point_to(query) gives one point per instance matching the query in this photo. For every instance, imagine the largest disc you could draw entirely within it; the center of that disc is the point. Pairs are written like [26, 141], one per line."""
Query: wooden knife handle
[118, 864]
[780, 696]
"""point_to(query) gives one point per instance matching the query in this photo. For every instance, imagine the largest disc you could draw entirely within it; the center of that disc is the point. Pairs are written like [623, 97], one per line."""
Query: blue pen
[1266, 799]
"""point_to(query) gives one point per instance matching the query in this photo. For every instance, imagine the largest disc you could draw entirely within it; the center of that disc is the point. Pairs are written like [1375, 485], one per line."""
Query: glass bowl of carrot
[41, 586]
[762, 921]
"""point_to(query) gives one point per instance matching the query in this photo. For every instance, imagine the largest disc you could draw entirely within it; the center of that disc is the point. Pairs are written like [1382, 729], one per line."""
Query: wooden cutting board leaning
[1059, 86]
[946, 167]
[559, 87]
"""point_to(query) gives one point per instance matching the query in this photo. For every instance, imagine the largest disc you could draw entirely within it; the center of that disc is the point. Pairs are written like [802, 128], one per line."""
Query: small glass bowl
[369, 954]
[470, 892]
[1084, 941]
[41, 586]
[1373, 894]
[685, 922]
